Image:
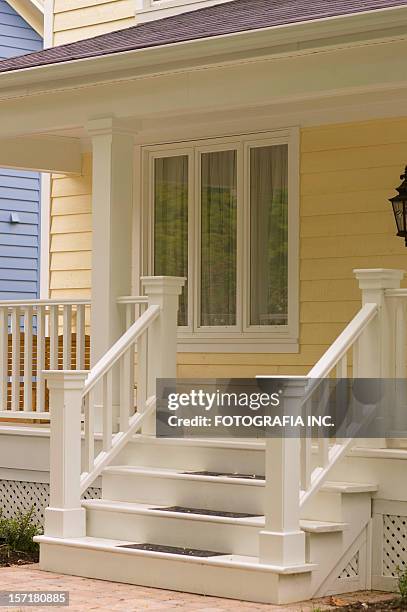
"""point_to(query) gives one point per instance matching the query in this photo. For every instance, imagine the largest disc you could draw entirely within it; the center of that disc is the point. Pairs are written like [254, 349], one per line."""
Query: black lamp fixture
[399, 203]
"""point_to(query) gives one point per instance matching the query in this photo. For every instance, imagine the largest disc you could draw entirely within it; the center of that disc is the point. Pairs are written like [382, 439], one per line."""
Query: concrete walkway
[86, 594]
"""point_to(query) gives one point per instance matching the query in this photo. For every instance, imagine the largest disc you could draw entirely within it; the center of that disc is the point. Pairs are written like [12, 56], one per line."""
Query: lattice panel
[16, 495]
[394, 544]
[352, 569]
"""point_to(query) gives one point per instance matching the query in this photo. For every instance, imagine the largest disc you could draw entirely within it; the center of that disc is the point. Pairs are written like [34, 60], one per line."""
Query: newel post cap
[379, 278]
[66, 379]
[160, 285]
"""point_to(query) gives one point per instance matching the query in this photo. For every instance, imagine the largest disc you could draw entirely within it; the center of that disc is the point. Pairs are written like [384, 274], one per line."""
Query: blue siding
[19, 190]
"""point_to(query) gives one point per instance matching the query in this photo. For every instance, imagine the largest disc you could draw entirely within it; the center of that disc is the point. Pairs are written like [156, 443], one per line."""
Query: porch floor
[87, 594]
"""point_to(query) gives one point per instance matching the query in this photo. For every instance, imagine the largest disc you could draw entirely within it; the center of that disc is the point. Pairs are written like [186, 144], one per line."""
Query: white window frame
[243, 337]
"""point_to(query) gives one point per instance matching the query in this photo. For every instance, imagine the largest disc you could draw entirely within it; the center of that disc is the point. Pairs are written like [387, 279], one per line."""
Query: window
[224, 214]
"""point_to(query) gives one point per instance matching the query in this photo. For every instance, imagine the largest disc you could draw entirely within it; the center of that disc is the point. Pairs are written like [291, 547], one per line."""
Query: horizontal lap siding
[19, 191]
[71, 234]
[80, 19]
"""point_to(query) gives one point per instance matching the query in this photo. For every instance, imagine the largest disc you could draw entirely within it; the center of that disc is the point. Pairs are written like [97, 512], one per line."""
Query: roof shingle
[227, 18]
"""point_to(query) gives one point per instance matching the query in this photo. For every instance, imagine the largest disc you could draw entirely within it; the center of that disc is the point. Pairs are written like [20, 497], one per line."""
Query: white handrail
[47, 302]
[120, 347]
[344, 342]
[132, 299]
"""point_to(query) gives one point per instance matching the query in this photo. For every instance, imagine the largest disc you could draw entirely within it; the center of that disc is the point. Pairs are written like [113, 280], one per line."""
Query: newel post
[162, 291]
[282, 542]
[64, 518]
[376, 355]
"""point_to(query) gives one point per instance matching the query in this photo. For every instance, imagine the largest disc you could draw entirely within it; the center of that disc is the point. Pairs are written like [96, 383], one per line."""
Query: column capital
[102, 126]
[379, 278]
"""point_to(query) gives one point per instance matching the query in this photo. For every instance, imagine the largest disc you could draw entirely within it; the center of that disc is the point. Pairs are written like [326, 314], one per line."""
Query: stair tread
[228, 560]
[349, 487]
[238, 444]
[248, 479]
[311, 526]
[182, 474]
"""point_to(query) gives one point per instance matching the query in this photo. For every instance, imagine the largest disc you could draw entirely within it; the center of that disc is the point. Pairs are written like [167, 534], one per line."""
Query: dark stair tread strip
[174, 550]
[206, 512]
[226, 475]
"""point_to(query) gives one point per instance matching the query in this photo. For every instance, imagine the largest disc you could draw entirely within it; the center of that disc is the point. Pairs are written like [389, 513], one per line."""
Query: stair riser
[324, 507]
[191, 458]
[191, 493]
[184, 532]
[174, 574]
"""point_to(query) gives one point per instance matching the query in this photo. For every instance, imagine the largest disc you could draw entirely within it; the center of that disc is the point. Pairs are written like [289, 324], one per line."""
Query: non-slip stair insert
[174, 550]
[207, 512]
[226, 475]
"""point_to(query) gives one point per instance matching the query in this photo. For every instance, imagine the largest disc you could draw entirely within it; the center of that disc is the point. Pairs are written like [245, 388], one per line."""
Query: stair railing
[108, 387]
[296, 468]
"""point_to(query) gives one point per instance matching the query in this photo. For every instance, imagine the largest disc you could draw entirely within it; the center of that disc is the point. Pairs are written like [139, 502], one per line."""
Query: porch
[305, 521]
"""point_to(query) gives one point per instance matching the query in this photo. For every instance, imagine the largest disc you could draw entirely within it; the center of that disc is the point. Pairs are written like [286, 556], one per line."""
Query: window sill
[223, 344]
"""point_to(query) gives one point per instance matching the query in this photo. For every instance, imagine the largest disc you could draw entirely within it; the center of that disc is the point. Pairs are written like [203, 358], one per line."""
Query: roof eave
[296, 38]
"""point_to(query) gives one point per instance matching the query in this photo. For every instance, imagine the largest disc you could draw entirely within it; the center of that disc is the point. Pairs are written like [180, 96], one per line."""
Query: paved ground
[86, 594]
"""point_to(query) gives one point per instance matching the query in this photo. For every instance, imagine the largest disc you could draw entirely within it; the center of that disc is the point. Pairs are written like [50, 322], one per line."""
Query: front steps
[218, 487]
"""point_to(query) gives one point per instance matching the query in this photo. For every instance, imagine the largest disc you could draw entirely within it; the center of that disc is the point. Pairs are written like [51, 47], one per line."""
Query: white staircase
[154, 496]
[271, 521]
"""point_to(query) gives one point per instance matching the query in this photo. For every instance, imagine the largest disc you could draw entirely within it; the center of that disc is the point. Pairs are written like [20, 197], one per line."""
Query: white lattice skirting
[394, 544]
[21, 496]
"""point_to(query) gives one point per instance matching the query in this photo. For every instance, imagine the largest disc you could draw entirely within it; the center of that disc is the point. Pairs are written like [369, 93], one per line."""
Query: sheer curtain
[218, 238]
[171, 222]
[269, 235]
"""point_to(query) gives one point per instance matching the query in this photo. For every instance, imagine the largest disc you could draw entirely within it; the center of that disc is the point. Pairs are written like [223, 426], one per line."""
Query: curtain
[171, 222]
[218, 238]
[269, 235]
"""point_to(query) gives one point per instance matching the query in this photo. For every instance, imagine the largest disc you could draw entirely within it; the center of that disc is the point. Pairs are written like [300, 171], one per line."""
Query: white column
[112, 204]
[282, 542]
[64, 518]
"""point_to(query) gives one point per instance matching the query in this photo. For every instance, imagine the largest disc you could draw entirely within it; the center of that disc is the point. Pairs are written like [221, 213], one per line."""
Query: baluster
[15, 358]
[306, 450]
[80, 337]
[126, 389]
[67, 337]
[89, 414]
[40, 403]
[53, 337]
[28, 358]
[323, 442]
[107, 411]
[342, 367]
[3, 358]
[142, 348]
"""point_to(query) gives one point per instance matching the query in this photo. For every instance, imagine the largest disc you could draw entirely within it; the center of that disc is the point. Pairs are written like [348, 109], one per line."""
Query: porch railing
[36, 335]
[104, 400]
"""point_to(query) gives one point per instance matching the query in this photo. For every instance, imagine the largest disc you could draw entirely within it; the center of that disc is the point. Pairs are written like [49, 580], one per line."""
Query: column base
[65, 523]
[279, 548]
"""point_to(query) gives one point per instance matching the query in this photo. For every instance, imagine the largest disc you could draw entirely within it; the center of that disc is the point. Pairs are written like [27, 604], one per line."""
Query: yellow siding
[348, 172]
[79, 19]
[71, 234]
